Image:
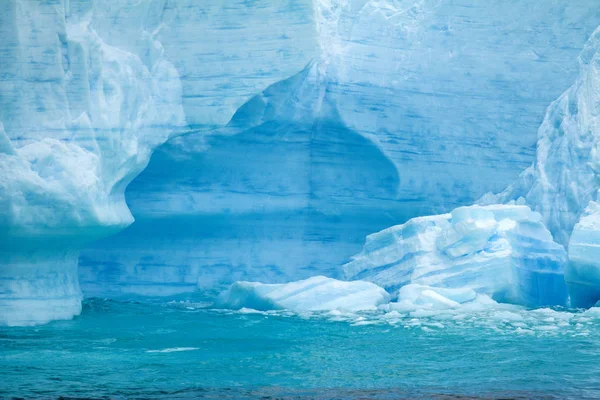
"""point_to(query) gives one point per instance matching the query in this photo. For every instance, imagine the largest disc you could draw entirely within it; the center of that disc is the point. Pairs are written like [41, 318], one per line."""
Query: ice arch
[291, 197]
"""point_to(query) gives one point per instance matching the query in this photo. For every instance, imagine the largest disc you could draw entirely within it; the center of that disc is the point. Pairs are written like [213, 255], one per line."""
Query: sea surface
[143, 348]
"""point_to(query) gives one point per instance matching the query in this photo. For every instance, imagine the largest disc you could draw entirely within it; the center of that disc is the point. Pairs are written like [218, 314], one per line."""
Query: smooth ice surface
[38, 289]
[503, 251]
[314, 294]
[564, 177]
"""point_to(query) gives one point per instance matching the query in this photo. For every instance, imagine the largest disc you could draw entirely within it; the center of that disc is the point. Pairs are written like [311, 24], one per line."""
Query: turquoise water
[183, 349]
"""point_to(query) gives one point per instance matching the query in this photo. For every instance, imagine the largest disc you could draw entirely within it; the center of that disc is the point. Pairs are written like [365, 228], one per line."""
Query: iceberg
[314, 294]
[562, 184]
[503, 251]
[386, 120]
[285, 130]
[88, 90]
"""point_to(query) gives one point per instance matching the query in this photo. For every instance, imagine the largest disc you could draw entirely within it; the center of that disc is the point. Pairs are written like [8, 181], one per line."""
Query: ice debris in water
[314, 294]
[432, 309]
[503, 251]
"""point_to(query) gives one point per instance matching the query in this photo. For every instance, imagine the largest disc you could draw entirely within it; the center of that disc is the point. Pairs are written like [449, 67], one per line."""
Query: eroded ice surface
[314, 294]
[310, 124]
[502, 251]
[564, 177]
[402, 102]
[87, 91]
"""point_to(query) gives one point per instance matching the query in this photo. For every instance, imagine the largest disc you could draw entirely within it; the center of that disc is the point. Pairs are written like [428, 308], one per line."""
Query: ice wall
[564, 177]
[88, 90]
[308, 124]
[409, 108]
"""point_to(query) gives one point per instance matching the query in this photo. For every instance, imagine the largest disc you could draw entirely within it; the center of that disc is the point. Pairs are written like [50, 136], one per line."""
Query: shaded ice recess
[505, 252]
[286, 199]
[88, 90]
[407, 109]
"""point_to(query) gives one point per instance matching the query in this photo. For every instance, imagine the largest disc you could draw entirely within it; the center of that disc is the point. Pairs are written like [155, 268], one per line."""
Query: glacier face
[503, 251]
[403, 101]
[87, 93]
[562, 184]
[308, 124]
[564, 177]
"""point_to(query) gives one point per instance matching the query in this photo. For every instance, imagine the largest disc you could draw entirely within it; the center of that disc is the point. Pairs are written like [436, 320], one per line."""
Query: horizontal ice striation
[224, 51]
[583, 271]
[38, 288]
[501, 251]
[314, 294]
[87, 91]
[446, 88]
[80, 119]
[403, 102]
[564, 177]
[282, 200]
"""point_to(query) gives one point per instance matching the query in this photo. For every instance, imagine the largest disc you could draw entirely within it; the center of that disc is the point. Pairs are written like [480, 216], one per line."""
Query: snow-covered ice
[314, 294]
[308, 125]
[503, 251]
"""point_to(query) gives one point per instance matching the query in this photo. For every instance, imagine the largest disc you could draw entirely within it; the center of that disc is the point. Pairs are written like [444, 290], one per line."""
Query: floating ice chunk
[173, 350]
[314, 294]
[503, 251]
[419, 293]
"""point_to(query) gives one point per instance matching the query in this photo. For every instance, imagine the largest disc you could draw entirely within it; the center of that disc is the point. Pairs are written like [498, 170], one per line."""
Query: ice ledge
[39, 288]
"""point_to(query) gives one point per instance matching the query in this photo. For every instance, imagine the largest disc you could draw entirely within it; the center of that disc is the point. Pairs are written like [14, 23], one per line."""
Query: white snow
[503, 251]
[314, 294]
